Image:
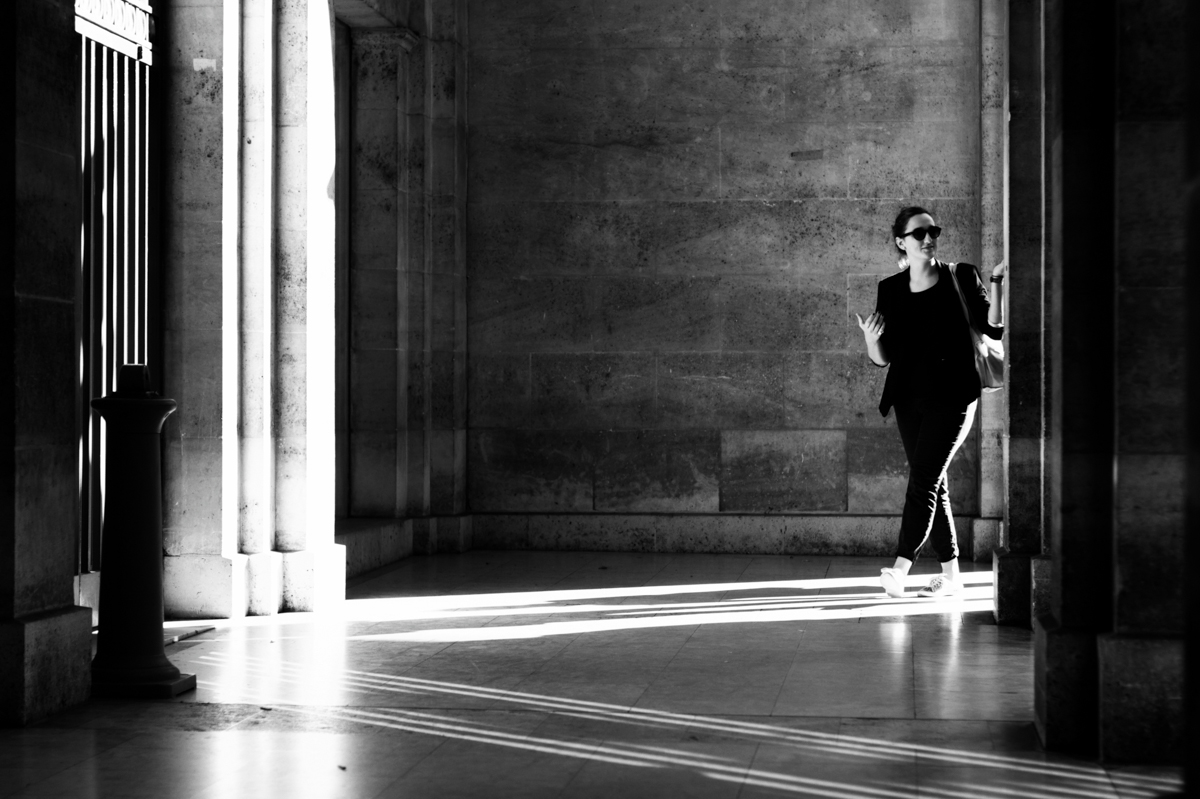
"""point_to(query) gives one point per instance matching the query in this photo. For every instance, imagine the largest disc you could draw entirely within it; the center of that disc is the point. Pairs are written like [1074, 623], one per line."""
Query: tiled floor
[587, 675]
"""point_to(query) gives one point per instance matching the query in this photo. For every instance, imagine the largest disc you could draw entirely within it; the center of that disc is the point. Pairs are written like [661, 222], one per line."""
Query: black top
[926, 340]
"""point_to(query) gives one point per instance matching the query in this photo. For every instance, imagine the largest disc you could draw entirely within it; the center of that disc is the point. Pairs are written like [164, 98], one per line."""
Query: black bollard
[129, 660]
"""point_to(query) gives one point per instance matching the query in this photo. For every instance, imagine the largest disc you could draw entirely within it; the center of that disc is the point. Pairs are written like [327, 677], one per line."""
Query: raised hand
[872, 326]
[996, 294]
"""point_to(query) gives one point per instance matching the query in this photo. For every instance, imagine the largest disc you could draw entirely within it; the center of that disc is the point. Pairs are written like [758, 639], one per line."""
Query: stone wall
[675, 210]
[45, 640]
[405, 438]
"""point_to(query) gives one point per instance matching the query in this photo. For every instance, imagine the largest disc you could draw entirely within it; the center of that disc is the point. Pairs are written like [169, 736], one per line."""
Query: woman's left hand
[1000, 269]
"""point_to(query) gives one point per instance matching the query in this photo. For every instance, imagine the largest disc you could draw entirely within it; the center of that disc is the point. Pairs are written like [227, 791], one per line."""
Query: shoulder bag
[989, 353]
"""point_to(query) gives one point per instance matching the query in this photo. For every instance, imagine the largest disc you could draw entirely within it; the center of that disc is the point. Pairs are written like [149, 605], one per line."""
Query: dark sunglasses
[919, 233]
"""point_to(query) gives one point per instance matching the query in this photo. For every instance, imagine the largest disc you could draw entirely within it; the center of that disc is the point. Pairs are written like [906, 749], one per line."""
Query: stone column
[204, 572]
[249, 309]
[1109, 655]
[993, 192]
[251, 192]
[1024, 508]
[314, 567]
[1192, 510]
[1141, 656]
[45, 639]
[1081, 351]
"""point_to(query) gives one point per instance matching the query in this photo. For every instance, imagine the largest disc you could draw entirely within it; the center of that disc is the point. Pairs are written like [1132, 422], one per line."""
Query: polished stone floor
[538, 674]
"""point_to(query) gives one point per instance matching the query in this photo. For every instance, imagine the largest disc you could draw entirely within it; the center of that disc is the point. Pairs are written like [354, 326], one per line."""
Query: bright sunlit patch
[810, 787]
[1075, 780]
[783, 603]
[607, 752]
[309, 667]
[1013, 779]
[666, 616]
[977, 596]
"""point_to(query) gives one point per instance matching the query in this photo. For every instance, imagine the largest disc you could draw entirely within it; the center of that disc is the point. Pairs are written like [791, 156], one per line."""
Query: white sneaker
[892, 581]
[941, 585]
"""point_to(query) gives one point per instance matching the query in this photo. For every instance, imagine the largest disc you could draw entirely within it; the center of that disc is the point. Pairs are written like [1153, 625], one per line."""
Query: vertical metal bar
[112, 340]
[117, 209]
[88, 273]
[129, 191]
[125, 263]
[112, 312]
[96, 371]
[104, 265]
[151, 242]
[139, 198]
[96, 298]
[82, 339]
[144, 209]
[101, 321]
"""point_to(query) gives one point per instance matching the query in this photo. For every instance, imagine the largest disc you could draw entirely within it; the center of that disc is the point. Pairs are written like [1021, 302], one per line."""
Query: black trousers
[930, 440]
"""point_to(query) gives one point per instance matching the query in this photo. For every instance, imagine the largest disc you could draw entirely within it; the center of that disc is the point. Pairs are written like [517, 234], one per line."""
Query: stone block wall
[675, 210]
[45, 639]
[406, 392]
[380, 277]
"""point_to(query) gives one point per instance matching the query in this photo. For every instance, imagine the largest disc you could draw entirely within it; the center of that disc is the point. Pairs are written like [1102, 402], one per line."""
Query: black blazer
[899, 345]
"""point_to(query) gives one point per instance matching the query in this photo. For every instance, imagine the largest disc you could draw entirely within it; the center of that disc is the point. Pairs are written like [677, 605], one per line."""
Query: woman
[919, 329]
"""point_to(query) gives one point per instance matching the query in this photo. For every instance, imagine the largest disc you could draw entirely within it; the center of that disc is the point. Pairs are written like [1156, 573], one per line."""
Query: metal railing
[117, 306]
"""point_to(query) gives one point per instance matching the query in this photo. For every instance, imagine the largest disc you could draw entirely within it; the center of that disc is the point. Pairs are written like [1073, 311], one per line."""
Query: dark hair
[902, 221]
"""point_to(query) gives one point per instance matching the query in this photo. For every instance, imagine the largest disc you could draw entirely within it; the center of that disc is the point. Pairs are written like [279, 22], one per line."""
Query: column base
[1010, 573]
[45, 664]
[315, 579]
[154, 689]
[1141, 699]
[205, 586]
[1065, 690]
[264, 583]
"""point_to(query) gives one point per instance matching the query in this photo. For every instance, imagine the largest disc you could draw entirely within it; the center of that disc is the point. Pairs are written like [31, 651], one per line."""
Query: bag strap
[961, 299]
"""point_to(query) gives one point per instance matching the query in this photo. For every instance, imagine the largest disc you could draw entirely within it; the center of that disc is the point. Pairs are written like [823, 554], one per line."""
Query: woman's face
[918, 251]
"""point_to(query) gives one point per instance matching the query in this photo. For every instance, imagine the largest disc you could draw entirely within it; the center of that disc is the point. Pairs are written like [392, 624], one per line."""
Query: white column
[263, 539]
[314, 568]
[252, 283]
[205, 575]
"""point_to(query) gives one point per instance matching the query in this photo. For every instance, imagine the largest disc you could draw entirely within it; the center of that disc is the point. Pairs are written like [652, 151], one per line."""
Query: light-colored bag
[989, 352]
